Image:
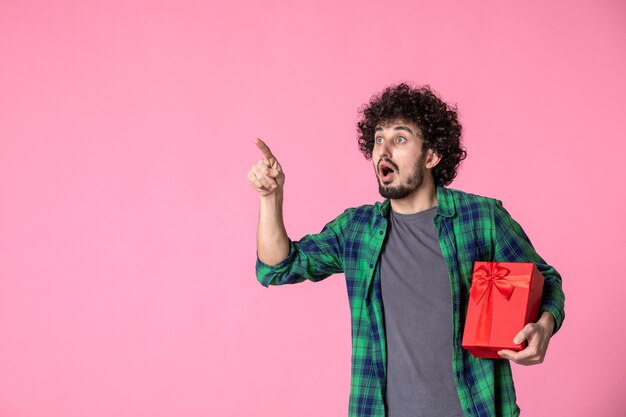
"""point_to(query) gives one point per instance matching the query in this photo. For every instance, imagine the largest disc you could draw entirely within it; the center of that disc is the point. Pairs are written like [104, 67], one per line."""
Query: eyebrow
[408, 129]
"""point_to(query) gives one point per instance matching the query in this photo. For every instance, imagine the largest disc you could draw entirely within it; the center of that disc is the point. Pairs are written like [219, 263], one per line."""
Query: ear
[432, 159]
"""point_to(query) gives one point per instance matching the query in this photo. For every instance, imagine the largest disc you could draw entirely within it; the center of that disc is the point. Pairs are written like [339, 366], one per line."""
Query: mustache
[390, 162]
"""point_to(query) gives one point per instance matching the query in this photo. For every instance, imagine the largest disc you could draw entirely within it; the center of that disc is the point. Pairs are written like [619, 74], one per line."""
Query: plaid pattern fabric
[470, 227]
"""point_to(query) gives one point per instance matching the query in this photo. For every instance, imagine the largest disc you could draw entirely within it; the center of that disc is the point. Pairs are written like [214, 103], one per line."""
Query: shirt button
[380, 232]
[371, 266]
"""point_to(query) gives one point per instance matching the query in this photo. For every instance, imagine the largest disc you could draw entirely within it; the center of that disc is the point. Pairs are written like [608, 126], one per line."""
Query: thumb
[272, 172]
[520, 337]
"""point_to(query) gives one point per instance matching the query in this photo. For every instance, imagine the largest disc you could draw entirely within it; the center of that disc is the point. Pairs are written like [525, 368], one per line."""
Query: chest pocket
[475, 246]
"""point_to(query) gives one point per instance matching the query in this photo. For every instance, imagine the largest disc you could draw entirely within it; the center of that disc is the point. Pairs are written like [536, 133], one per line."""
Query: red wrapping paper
[504, 297]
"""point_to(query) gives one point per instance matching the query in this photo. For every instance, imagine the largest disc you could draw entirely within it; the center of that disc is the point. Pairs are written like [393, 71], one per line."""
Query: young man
[408, 263]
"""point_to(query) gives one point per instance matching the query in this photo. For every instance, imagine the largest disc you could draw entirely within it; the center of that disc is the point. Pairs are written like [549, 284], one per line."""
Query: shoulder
[463, 199]
[473, 208]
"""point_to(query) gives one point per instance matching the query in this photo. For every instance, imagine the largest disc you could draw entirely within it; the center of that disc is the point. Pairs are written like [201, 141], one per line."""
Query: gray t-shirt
[417, 302]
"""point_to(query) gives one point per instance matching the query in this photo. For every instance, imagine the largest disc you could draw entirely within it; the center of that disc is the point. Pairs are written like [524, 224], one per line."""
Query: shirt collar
[445, 204]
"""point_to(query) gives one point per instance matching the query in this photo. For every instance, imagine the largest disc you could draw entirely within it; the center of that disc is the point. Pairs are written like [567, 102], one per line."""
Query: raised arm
[279, 259]
[267, 178]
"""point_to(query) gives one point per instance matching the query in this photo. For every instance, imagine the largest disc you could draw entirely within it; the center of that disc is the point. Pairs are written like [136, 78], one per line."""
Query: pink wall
[127, 225]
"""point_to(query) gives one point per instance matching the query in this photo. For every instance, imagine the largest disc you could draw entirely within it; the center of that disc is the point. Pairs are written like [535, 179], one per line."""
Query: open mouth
[386, 173]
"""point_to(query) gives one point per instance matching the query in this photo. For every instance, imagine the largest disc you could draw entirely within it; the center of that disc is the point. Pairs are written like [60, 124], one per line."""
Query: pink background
[127, 224]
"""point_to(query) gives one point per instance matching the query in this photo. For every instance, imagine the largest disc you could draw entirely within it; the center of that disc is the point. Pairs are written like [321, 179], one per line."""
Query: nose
[384, 150]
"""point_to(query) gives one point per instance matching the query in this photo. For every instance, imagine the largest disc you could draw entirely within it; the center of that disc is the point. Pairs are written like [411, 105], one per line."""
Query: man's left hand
[538, 336]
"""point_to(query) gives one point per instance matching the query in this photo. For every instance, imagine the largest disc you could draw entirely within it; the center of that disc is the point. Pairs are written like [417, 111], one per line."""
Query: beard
[412, 183]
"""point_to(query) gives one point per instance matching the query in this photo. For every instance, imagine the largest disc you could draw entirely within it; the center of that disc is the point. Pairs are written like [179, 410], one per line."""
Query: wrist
[275, 197]
[547, 320]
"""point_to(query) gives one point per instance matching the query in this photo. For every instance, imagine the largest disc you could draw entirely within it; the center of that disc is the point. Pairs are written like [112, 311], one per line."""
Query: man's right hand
[267, 176]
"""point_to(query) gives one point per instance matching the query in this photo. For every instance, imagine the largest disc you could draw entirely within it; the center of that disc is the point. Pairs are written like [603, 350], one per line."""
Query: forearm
[272, 239]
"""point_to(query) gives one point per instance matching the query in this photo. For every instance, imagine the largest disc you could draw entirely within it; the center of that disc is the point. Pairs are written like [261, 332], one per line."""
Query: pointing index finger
[264, 148]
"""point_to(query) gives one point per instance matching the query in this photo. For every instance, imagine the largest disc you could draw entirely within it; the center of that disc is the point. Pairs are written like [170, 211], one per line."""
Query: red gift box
[504, 297]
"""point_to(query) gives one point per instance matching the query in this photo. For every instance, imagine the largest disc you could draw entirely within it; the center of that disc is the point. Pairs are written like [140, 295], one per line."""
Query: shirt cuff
[263, 269]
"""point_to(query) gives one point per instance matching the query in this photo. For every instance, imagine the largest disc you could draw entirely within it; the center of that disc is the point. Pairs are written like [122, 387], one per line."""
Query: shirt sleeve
[313, 257]
[513, 245]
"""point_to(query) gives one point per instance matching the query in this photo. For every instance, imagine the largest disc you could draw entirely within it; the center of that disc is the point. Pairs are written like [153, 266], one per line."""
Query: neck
[423, 198]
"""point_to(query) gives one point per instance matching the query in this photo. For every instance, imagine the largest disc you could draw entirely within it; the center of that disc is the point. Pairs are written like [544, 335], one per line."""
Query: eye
[378, 139]
[400, 137]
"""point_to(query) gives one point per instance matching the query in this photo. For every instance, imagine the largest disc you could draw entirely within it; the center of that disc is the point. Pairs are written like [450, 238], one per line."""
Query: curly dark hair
[436, 120]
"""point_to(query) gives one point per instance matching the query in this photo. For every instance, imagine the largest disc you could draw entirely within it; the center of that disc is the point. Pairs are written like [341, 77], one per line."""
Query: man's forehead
[396, 123]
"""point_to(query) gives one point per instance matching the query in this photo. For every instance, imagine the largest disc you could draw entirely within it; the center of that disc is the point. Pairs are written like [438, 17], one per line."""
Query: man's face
[398, 159]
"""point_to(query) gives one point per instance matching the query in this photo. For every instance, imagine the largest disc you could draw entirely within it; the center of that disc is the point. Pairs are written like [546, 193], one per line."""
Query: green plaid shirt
[470, 227]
